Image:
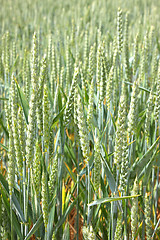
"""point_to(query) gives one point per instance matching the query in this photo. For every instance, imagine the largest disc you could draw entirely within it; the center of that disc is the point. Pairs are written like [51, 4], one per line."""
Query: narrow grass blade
[140, 164]
[110, 178]
[4, 128]
[56, 118]
[4, 147]
[110, 199]
[14, 199]
[16, 224]
[24, 102]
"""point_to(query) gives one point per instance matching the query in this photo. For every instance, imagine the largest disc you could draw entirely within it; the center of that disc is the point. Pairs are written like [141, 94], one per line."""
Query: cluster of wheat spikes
[79, 119]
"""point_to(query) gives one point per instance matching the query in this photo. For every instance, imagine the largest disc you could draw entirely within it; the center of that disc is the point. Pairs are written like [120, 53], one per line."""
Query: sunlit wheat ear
[55, 106]
[26, 75]
[70, 99]
[136, 56]
[154, 67]
[51, 143]
[37, 168]
[120, 131]
[134, 209]
[31, 128]
[102, 87]
[90, 105]
[68, 65]
[124, 164]
[109, 88]
[42, 79]
[91, 64]
[151, 37]
[114, 53]
[98, 72]
[58, 67]
[118, 232]
[15, 127]
[49, 52]
[147, 212]
[75, 106]
[46, 115]
[53, 176]
[147, 50]
[132, 115]
[119, 31]
[126, 50]
[157, 102]
[83, 130]
[150, 106]
[13, 53]
[97, 163]
[44, 194]
[34, 66]
[73, 28]
[86, 51]
[53, 76]
[62, 77]
[142, 64]
[83, 80]
[88, 233]
[7, 112]
[7, 54]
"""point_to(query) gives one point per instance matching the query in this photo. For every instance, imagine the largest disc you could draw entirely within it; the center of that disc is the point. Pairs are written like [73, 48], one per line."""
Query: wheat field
[79, 120]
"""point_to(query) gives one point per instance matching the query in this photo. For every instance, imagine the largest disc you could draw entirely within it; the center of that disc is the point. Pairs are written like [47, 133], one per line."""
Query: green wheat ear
[68, 65]
[31, 128]
[97, 163]
[37, 168]
[102, 86]
[109, 88]
[132, 115]
[70, 99]
[53, 176]
[118, 232]
[21, 130]
[90, 105]
[46, 116]
[150, 106]
[83, 130]
[98, 71]
[76, 106]
[120, 131]
[136, 56]
[53, 76]
[88, 233]
[119, 31]
[42, 79]
[134, 209]
[147, 212]
[91, 64]
[44, 194]
[157, 101]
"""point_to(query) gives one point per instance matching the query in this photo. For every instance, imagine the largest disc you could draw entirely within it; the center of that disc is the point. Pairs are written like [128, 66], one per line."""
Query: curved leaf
[24, 102]
[110, 199]
[141, 163]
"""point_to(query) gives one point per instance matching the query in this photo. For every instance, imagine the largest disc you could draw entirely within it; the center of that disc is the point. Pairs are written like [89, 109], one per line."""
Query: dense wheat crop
[79, 119]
